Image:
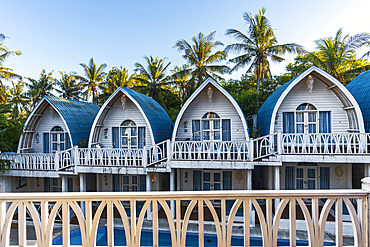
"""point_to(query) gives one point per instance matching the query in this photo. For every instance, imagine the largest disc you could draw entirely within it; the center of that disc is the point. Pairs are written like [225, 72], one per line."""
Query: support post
[251, 150]
[367, 170]
[64, 183]
[82, 177]
[75, 159]
[277, 183]
[169, 150]
[172, 188]
[366, 186]
[149, 215]
[279, 142]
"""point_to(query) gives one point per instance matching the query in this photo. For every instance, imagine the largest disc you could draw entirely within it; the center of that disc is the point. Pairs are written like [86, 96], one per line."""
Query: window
[128, 135]
[211, 128]
[59, 140]
[306, 119]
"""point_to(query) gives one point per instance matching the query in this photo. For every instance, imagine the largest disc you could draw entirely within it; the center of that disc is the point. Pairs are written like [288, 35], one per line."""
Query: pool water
[164, 239]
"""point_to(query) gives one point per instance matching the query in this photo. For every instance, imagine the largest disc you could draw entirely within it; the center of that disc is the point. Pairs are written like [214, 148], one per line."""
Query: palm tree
[94, 76]
[41, 87]
[200, 58]
[181, 79]
[337, 55]
[69, 89]
[4, 92]
[152, 77]
[116, 77]
[18, 98]
[257, 46]
[6, 73]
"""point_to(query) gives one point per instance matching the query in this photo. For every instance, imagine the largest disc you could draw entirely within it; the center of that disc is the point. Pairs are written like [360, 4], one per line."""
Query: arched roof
[159, 123]
[209, 80]
[77, 116]
[270, 107]
[360, 89]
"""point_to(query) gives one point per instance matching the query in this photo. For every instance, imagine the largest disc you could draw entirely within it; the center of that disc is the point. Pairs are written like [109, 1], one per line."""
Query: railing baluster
[339, 222]
[292, 223]
[201, 223]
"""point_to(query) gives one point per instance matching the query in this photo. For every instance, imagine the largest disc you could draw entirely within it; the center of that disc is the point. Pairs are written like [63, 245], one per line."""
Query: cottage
[127, 122]
[318, 123]
[210, 142]
[55, 125]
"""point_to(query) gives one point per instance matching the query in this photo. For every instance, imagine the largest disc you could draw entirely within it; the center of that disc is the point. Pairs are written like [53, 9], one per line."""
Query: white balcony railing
[160, 154]
[31, 161]
[211, 206]
[211, 150]
[333, 143]
[110, 157]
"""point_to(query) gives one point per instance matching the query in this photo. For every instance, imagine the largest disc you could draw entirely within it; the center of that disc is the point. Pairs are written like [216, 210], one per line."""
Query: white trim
[32, 115]
[331, 79]
[195, 94]
[105, 105]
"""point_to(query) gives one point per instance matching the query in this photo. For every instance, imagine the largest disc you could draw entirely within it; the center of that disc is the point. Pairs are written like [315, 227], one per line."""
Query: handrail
[230, 203]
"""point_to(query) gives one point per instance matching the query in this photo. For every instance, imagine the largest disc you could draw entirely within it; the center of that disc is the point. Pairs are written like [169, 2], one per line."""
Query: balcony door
[212, 180]
[57, 139]
[211, 128]
[306, 178]
[128, 135]
[130, 183]
[306, 119]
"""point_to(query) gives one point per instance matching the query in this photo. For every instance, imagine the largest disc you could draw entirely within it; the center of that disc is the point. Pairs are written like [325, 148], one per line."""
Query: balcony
[278, 147]
[208, 208]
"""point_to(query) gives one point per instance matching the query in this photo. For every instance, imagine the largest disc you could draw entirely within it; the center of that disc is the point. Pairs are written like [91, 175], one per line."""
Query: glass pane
[61, 137]
[217, 135]
[124, 141]
[125, 188]
[312, 128]
[311, 184]
[133, 131]
[216, 125]
[217, 177]
[55, 137]
[299, 116]
[299, 184]
[55, 189]
[134, 179]
[300, 128]
[61, 146]
[124, 131]
[311, 173]
[134, 141]
[206, 136]
[125, 179]
[128, 123]
[205, 125]
[206, 186]
[305, 107]
[55, 147]
[206, 176]
[55, 182]
[217, 186]
[210, 115]
[299, 172]
[312, 117]
[134, 188]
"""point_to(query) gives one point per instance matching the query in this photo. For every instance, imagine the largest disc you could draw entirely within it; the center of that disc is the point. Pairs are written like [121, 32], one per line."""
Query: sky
[59, 35]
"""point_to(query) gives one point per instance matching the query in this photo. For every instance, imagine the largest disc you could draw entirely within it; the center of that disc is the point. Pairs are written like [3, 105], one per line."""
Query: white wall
[322, 98]
[49, 119]
[116, 116]
[220, 105]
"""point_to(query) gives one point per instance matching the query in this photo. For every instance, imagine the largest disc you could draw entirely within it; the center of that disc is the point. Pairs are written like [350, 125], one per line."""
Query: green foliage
[9, 133]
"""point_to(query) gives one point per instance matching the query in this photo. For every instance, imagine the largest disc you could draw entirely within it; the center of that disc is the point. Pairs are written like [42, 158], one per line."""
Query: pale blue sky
[58, 35]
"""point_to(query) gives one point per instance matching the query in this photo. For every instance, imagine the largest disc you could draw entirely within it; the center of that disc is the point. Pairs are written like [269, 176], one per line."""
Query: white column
[64, 183]
[6, 184]
[367, 170]
[149, 215]
[349, 176]
[248, 179]
[82, 177]
[277, 183]
[172, 188]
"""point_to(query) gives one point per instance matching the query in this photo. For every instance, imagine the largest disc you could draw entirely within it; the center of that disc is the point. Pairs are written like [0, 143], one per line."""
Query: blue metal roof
[79, 116]
[158, 118]
[360, 89]
[264, 115]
